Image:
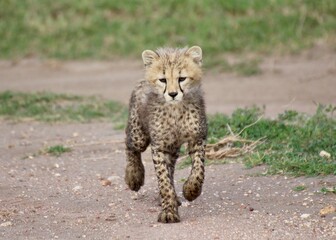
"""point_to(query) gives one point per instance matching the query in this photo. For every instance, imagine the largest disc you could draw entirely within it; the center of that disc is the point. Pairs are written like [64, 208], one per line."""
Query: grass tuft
[326, 190]
[57, 150]
[299, 188]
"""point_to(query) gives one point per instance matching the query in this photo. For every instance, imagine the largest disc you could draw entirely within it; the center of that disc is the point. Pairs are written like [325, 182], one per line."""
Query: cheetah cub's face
[173, 73]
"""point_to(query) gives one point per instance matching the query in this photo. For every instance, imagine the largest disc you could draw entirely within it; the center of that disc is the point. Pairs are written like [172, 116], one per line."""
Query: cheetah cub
[166, 110]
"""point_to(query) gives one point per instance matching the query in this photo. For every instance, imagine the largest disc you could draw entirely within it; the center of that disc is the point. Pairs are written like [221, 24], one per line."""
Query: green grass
[105, 29]
[50, 107]
[299, 188]
[326, 190]
[57, 150]
[293, 140]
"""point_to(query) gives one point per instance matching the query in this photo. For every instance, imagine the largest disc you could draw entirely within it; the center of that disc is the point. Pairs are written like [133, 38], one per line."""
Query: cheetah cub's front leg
[136, 143]
[169, 200]
[192, 188]
[135, 171]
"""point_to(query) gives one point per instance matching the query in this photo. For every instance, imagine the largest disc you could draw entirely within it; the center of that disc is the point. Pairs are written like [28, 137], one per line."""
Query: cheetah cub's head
[173, 73]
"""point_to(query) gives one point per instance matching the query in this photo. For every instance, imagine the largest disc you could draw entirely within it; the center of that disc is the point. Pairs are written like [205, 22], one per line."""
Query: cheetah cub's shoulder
[166, 110]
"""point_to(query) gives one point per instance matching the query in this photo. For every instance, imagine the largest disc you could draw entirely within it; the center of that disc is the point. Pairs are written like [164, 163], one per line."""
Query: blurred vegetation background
[108, 29]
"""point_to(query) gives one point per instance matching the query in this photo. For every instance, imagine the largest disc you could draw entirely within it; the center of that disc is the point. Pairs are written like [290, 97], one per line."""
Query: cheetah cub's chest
[176, 124]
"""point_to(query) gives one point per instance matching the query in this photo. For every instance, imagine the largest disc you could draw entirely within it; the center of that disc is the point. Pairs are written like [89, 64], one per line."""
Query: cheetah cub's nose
[173, 94]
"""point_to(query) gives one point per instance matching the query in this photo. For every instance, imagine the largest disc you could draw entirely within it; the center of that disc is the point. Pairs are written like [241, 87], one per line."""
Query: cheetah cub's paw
[191, 190]
[169, 216]
[135, 176]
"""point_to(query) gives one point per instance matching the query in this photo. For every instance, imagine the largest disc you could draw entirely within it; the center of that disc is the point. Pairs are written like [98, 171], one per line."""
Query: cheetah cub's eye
[181, 79]
[163, 80]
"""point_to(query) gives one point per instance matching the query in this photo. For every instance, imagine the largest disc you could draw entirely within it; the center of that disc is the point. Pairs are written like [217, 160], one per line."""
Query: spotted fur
[166, 110]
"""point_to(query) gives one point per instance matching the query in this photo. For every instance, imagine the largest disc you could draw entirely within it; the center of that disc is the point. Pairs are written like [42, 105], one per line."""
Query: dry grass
[227, 147]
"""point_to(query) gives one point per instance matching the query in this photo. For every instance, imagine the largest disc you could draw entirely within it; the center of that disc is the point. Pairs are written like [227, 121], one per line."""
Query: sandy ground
[46, 197]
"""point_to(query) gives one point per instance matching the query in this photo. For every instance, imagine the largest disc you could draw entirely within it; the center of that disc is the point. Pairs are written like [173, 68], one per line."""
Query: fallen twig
[224, 148]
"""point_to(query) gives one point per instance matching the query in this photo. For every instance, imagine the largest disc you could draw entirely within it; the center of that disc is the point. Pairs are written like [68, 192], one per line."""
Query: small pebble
[113, 178]
[327, 210]
[305, 215]
[325, 154]
[105, 182]
[77, 188]
[6, 224]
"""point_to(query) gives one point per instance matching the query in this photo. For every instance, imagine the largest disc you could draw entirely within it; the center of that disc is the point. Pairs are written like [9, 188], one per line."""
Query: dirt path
[295, 82]
[46, 197]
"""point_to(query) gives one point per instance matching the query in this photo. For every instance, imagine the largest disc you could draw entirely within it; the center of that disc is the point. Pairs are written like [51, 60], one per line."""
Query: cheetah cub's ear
[148, 57]
[195, 53]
